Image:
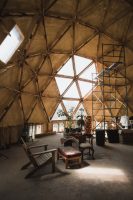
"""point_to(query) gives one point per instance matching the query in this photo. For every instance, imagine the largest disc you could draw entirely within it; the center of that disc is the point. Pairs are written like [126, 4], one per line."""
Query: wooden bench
[69, 154]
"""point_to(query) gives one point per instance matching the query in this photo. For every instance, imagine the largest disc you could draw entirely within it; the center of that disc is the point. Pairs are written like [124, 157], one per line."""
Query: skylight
[56, 116]
[72, 92]
[84, 87]
[81, 63]
[10, 44]
[70, 105]
[87, 74]
[80, 111]
[83, 66]
[74, 81]
[62, 83]
[67, 69]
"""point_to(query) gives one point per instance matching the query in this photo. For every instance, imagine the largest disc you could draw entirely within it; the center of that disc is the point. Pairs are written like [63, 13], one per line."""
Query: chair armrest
[44, 152]
[38, 146]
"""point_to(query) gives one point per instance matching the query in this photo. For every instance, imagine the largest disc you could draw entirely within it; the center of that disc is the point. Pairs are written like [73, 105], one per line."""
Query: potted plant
[69, 118]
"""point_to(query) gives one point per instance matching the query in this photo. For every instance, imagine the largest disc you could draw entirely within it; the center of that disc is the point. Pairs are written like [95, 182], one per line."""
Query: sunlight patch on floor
[102, 173]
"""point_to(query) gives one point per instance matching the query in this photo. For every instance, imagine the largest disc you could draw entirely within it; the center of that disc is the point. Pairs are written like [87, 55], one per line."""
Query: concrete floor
[107, 177]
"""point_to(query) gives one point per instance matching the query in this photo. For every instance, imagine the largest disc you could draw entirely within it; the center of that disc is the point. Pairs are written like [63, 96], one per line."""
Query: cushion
[85, 145]
[69, 152]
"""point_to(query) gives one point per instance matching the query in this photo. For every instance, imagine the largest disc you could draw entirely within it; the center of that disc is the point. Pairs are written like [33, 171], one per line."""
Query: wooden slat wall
[9, 135]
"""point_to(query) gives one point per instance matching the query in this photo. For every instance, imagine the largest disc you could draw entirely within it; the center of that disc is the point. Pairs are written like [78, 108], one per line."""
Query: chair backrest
[82, 139]
[71, 141]
[28, 152]
[85, 138]
[89, 138]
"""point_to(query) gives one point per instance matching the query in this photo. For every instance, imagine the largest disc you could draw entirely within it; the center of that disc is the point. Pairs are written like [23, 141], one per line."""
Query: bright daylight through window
[74, 81]
[10, 44]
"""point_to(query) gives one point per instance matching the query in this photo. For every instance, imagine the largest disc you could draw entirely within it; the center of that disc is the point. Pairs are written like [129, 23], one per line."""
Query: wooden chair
[82, 142]
[40, 158]
[71, 141]
[86, 143]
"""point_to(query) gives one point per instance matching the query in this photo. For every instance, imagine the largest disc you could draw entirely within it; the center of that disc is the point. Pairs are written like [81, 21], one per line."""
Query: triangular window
[72, 92]
[70, 105]
[62, 83]
[57, 115]
[67, 69]
[87, 74]
[10, 44]
[81, 63]
[85, 87]
[80, 111]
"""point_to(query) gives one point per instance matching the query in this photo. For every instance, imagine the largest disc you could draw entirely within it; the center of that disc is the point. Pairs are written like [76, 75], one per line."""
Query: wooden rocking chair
[38, 159]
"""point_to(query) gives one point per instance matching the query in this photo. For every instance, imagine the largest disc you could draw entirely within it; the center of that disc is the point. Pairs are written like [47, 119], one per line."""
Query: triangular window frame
[10, 44]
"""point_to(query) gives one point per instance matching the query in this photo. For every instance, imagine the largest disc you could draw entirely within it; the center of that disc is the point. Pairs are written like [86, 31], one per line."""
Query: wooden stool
[69, 153]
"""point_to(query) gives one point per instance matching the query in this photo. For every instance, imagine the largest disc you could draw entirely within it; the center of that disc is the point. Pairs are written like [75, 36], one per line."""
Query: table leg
[66, 163]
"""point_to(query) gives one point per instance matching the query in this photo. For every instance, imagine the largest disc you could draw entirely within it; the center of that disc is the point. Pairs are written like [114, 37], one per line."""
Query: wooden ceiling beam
[67, 88]
[22, 107]
[32, 109]
[128, 106]
[46, 40]
[70, 99]
[64, 76]
[87, 81]
[85, 68]
[86, 41]
[63, 107]
[3, 5]
[6, 109]
[78, 88]
[54, 110]
[40, 101]
[118, 17]
[89, 8]
[106, 11]
[98, 45]
[50, 6]
[66, 28]
[77, 107]
[126, 29]
[106, 33]
[16, 91]
[57, 16]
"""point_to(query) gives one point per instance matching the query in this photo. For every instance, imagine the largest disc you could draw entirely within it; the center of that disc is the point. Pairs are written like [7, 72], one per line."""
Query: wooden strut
[32, 109]
[49, 49]
[51, 79]
[20, 14]
[7, 108]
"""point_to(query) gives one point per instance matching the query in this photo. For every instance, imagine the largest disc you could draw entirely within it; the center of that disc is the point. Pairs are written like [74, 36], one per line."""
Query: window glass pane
[70, 105]
[67, 69]
[56, 115]
[84, 87]
[62, 83]
[81, 63]
[61, 127]
[72, 92]
[10, 44]
[80, 111]
[38, 129]
[55, 127]
[87, 74]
